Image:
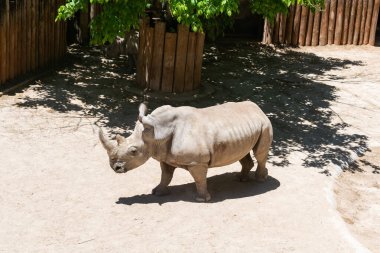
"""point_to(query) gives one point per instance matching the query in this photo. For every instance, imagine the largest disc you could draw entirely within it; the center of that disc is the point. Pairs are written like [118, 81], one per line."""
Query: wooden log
[324, 24]
[189, 72]
[84, 20]
[2, 43]
[276, 28]
[357, 22]
[332, 18]
[199, 46]
[141, 52]
[158, 52]
[15, 31]
[169, 60]
[180, 59]
[351, 27]
[368, 22]
[316, 28]
[33, 43]
[4, 47]
[289, 25]
[51, 31]
[56, 35]
[362, 23]
[12, 47]
[346, 22]
[339, 22]
[309, 32]
[24, 36]
[303, 25]
[268, 32]
[149, 32]
[282, 28]
[296, 25]
[375, 16]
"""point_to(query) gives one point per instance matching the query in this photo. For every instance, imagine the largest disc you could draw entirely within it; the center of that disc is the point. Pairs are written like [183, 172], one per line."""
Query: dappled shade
[288, 85]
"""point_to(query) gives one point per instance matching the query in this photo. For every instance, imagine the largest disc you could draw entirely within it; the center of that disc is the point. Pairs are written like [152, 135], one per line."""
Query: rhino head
[128, 153]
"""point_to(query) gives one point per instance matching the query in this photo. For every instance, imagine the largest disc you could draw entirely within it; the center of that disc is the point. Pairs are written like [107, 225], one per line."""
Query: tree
[119, 16]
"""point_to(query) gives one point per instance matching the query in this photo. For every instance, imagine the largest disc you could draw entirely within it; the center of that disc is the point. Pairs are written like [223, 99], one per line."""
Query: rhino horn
[107, 144]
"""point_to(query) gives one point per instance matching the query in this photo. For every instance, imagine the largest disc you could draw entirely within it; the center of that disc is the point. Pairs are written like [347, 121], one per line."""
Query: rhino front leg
[199, 173]
[166, 177]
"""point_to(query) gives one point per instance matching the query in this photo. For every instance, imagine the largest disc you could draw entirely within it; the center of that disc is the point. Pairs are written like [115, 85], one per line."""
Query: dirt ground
[58, 194]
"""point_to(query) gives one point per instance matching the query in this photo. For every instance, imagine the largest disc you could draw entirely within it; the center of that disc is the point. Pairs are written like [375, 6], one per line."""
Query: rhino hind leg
[166, 177]
[246, 166]
[261, 173]
[199, 173]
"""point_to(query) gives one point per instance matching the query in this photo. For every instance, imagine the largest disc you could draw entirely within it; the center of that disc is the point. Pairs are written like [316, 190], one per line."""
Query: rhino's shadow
[221, 187]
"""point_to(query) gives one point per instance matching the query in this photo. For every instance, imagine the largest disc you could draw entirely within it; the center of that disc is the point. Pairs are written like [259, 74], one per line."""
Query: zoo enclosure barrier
[29, 36]
[341, 22]
[169, 62]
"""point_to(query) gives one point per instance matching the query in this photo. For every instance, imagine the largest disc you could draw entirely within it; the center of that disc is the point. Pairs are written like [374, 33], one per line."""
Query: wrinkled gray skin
[195, 139]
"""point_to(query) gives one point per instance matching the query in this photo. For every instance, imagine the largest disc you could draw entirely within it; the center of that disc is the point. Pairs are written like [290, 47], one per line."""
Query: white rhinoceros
[195, 139]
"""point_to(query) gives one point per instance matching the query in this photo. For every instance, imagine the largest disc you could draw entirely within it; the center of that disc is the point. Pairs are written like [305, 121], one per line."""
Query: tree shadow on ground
[221, 187]
[288, 85]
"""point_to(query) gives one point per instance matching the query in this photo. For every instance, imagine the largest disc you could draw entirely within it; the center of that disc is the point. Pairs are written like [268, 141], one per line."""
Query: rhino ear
[155, 129]
[120, 139]
[142, 111]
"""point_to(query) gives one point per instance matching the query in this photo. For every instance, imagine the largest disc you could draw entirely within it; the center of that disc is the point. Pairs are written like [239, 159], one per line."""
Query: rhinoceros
[195, 139]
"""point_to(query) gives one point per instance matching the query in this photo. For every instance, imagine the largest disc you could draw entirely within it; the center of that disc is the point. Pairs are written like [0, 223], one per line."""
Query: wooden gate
[342, 22]
[29, 36]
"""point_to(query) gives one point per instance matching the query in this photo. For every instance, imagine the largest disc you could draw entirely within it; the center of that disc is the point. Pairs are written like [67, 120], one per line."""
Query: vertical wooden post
[324, 24]
[296, 25]
[351, 27]
[310, 24]
[362, 23]
[169, 60]
[268, 32]
[375, 16]
[303, 25]
[84, 20]
[158, 51]
[275, 29]
[2, 42]
[339, 22]
[28, 12]
[316, 28]
[347, 9]
[12, 38]
[330, 39]
[368, 22]
[189, 73]
[282, 28]
[357, 22]
[25, 42]
[180, 60]
[141, 52]
[289, 25]
[148, 55]
[199, 45]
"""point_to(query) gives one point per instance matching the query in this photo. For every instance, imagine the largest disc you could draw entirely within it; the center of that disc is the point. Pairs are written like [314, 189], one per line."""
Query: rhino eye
[132, 151]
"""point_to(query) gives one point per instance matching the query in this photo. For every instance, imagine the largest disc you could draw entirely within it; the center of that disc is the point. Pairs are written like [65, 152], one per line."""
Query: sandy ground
[58, 194]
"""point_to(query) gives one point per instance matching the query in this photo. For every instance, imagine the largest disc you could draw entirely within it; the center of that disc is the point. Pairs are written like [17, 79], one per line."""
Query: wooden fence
[29, 36]
[169, 62]
[342, 22]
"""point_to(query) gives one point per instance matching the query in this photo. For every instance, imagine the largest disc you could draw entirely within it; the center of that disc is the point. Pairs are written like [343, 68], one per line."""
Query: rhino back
[217, 135]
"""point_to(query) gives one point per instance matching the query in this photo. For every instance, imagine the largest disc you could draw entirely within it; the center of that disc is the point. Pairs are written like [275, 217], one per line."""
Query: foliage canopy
[119, 16]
